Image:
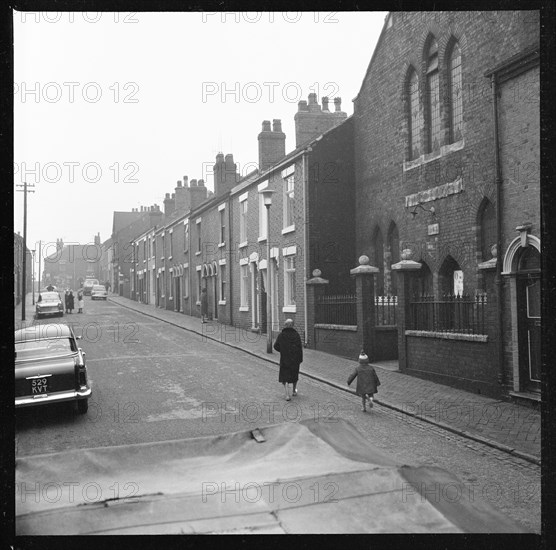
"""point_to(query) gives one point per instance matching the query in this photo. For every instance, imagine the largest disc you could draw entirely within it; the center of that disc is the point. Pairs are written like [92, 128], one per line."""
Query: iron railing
[340, 309]
[452, 313]
[385, 310]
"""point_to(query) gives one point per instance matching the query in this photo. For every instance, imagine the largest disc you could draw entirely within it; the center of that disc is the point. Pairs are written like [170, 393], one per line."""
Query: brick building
[446, 131]
[18, 269]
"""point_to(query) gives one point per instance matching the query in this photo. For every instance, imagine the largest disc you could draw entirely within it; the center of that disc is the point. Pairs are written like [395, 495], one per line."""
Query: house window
[488, 230]
[171, 244]
[433, 98]
[263, 217]
[163, 247]
[199, 285]
[186, 282]
[289, 281]
[289, 201]
[222, 226]
[198, 236]
[186, 237]
[144, 249]
[243, 221]
[244, 290]
[456, 98]
[222, 282]
[414, 122]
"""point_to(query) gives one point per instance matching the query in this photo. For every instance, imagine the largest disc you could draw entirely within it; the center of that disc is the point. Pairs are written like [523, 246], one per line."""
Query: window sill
[448, 335]
[169, 258]
[197, 303]
[243, 244]
[244, 308]
[288, 229]
[221, 245]
[221, 302]
[261, 239]
[289, 309]
[198, 253]
[429, 157]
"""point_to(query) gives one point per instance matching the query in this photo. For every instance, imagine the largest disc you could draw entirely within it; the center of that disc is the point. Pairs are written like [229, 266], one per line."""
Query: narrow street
[153, 381]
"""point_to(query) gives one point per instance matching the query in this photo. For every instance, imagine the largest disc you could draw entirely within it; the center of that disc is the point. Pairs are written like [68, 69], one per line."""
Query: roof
[123, 219]
[42, 332]
[303, 477]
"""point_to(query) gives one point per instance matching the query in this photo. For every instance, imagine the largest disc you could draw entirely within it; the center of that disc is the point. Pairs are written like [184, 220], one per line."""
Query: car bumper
[58, 397]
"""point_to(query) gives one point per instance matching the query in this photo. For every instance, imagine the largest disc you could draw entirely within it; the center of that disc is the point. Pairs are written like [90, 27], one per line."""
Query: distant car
[99, 293]
[88, 286]
[49, 303]
[50, 367]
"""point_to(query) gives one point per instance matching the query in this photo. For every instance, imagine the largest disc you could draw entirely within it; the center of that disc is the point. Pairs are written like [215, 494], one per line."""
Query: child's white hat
[363, 358]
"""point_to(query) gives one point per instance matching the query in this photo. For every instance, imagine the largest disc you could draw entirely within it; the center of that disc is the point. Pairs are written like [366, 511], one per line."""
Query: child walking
[367, 381]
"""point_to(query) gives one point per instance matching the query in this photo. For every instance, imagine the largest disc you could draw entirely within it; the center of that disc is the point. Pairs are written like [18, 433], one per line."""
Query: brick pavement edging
[464, 433]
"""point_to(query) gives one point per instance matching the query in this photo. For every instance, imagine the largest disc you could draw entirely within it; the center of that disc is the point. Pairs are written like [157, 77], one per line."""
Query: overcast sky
[137, 101]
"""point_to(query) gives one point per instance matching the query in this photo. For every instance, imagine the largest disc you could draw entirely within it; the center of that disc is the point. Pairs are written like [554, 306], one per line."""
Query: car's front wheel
[83, 406]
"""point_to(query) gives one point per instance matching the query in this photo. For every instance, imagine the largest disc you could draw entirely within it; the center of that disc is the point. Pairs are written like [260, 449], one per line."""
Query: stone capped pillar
[405, 270]
[364, 287]
[315, 288]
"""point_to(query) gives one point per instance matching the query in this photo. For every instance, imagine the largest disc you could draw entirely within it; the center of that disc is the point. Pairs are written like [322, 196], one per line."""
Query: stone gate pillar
[315, 288]
[405, 270]
[364, 285]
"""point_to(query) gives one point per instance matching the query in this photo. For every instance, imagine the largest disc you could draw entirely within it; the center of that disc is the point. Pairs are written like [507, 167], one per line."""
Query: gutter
[305, 178]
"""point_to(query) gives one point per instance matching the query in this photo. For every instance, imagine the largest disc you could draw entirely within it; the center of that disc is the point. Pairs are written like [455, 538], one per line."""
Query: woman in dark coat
[71, 301]
[288, 343]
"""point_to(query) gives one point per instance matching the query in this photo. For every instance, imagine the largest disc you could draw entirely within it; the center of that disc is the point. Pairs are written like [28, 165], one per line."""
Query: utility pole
[23, 285]
[39, 277]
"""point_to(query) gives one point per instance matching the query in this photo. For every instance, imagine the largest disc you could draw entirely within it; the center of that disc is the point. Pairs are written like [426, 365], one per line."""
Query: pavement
[509, 427]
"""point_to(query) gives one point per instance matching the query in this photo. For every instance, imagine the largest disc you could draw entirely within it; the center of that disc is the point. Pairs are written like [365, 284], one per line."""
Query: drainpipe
[498, 277]
[190, 258]
[229, 255]
[305, 178]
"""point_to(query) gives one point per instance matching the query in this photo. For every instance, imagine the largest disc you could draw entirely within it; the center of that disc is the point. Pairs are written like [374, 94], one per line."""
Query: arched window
[450, 277]
[378, 261]
[456, 96]
[394, 250]
[487, 224]
[414, 115]
[433, 98]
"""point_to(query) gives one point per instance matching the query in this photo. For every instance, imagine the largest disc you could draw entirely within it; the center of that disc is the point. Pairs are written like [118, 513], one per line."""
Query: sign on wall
[458, 282]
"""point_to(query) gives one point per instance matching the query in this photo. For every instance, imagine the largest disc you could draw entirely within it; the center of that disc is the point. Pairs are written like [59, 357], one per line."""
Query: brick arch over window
[486, 229]
[414, 115]
[377, 260]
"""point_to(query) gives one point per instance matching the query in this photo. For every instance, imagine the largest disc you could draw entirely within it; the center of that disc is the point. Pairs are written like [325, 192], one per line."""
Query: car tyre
[83, 406]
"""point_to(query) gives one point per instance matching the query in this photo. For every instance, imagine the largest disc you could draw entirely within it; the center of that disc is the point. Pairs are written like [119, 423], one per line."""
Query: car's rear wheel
[83, 406]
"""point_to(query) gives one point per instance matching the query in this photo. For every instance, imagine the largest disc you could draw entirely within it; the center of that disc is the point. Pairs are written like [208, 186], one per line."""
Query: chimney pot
[219, 157]
[312, 98]
[266, 126]
[337, 104]
[201, 183]
[302, 105]
[179, 183]
[325, 103]
[276, 125]
[167, 196]
[193, 183]
[173, 195]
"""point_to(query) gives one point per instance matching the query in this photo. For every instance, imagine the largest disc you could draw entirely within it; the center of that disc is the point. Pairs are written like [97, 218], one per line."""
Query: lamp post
[267, 199]
[33, 275]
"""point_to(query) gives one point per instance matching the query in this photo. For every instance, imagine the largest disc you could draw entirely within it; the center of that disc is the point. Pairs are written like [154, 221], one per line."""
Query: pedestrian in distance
[204, 305]
[71, 301]
[66, 300]
[80, 301]
[107, 285]
[367, 381]
[288, 344]
[50, 288]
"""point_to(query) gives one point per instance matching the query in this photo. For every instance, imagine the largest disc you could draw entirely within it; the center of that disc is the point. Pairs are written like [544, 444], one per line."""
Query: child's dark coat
[367, 379]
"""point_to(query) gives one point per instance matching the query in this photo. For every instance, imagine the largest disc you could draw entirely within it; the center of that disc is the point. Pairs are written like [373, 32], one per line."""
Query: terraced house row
[411, 228]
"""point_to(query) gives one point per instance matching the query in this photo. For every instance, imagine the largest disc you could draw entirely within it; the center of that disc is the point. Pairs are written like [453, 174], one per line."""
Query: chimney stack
[169, 204]
[272, 144]
[181, 196]
[198, 193]
[311, 121]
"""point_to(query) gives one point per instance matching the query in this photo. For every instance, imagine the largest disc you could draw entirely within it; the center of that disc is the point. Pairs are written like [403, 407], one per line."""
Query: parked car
[99, 293]
[50, 367]
[49, 303]
[88, 286]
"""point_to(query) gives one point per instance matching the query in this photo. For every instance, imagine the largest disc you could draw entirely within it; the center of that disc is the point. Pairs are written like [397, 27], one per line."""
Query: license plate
[39, 386]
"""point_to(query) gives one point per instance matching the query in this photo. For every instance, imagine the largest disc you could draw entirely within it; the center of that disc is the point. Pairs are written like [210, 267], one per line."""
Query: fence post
[364, 284]
[315, 287]
[404, 270]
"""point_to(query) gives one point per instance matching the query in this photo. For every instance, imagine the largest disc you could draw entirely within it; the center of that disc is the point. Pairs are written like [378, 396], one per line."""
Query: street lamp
[267, 199]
